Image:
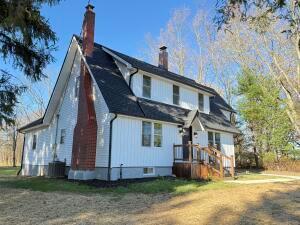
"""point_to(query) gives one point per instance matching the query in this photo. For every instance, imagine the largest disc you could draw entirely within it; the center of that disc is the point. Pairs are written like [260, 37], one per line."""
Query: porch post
[190, 151]
[232, 165]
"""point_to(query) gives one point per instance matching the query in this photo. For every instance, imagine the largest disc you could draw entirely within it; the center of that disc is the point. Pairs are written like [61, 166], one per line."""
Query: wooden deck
[195, 162]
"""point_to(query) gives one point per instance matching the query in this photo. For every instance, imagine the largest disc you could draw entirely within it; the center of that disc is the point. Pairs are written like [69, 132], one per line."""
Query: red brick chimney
[88, 29]
[163, 58]
[85, 131]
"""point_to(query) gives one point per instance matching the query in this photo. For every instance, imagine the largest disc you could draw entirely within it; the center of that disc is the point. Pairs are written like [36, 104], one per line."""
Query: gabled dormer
[157, 83]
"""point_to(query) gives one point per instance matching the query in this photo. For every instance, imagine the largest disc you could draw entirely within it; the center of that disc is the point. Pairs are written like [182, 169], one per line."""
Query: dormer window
[146, 86]
[200, 102]
[176, 95]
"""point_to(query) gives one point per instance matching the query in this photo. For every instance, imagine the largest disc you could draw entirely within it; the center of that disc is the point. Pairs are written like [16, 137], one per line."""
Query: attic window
[176, 95]
[146, 86]
[200, 102]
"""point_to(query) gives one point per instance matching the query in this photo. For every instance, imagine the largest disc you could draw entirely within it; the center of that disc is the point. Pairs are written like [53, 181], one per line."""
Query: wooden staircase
[202, 162]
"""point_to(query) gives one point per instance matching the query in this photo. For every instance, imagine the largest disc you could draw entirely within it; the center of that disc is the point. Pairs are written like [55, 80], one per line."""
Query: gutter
[110, 147]
[22, 157]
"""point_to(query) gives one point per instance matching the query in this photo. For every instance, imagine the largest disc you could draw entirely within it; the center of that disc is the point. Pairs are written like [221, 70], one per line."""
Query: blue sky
[120, 25]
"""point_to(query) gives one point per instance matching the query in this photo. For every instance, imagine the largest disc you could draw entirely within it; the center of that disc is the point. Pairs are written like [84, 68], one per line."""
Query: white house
[112, 115]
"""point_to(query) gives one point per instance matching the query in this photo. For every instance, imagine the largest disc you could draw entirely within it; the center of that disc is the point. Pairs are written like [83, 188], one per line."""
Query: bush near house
[283, 163]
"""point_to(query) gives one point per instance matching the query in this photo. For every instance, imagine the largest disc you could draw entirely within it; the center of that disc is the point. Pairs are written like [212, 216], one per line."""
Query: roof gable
[121, 100]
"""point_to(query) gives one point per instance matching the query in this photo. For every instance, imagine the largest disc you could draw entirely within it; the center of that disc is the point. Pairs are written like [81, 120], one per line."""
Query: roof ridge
[178, 76]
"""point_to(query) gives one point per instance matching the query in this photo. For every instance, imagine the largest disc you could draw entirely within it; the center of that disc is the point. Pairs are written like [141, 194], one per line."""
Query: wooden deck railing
[207, 155]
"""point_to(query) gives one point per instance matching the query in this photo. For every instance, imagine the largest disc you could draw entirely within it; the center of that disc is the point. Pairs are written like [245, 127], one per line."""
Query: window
[146, 133]
[62, 136]
[148, 171]
[176, 95]
[146, 86]
[214, 139]
[200, 102]
[77, 81]
[218, 141]
[157, 134]
[34, 142]
[210, 138]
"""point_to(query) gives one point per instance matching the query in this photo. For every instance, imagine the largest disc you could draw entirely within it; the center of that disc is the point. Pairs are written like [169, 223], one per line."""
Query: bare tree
[34, 102]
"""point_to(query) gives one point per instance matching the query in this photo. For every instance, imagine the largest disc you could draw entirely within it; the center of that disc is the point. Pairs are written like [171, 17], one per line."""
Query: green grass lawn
[9, 179]
[9, 171]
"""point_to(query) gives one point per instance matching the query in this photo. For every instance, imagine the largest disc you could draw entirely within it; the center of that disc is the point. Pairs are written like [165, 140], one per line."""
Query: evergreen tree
[26, 40]
[263, 109]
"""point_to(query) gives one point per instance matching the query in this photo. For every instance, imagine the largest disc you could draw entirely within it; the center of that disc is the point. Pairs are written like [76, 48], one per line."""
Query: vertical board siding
[127, 146]
[103, 123]
[227, 146]
[162, 91]
[67, 111]
[43, 153]
[202, 138]
[68, 115]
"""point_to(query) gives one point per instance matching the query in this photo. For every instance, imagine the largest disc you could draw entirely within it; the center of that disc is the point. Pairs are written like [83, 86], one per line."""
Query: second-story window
[200, 102]
[176, 95]
[146, 86]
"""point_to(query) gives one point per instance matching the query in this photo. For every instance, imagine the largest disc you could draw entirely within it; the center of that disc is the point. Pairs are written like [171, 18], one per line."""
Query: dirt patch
[277, 203]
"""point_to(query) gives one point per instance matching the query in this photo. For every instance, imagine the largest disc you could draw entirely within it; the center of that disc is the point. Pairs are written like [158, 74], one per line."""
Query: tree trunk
[14, 145]
[256, 157]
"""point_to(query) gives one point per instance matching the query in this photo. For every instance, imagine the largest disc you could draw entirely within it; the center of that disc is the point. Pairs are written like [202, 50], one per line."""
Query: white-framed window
[146, 133]
[214, 139]
[146, 86]
[176, 95]
[76, 90]
[34, 139]
[157, 135]
[218, 141]
[62, 136]
[148, 171]
[200, 102]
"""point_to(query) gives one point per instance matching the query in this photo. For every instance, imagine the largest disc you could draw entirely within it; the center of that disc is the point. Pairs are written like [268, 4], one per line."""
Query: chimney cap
[162, 48]
[90, 7]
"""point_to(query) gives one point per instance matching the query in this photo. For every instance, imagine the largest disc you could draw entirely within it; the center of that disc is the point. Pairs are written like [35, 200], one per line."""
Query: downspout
[110, 147]
[55, 141]
[22, 157]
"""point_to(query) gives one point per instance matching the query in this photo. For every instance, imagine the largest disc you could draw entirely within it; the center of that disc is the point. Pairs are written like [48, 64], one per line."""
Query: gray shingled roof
[32, 124]
[161, 72]
[121, 100]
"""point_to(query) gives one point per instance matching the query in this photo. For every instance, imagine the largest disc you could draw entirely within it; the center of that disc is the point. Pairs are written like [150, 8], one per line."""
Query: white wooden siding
[42, 154]
[127, 146]
[227, 143]
[103, 123]
[67, 111]
[68, 115]
[162, 91]
[227, 146]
